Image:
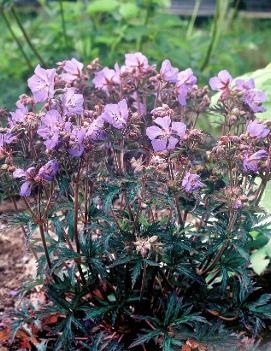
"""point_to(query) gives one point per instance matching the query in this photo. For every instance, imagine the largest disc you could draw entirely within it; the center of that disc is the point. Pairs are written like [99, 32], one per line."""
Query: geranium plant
[143, 220]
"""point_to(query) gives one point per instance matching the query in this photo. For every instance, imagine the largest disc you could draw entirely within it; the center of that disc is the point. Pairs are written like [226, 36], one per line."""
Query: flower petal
[19, 173]
[179, 128]
[172, 142]
[163, 122]
[159, 144]
[153, 132]
[26, 189]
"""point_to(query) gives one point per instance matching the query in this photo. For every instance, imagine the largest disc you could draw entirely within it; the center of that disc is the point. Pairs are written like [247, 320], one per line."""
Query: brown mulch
[16, 262]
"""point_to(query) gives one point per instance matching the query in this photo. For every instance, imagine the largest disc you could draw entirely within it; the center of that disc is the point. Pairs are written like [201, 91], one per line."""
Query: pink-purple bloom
[42, 83]
[52, 123]
[191, 182]
[237, 204]
[77, 138]
[185, 81]
[46, 172]
[72, 70]
[18, 116]
[95, 129]
[49, 170]
[6, 138]
[167, 135]
[116, 114]
[257, 130]
[136, 61]
[168, 72]
[244, 85]
[28, 175]
[105, 78]
[72, 103]
[251, 163]
[221, 82]
[254, 99]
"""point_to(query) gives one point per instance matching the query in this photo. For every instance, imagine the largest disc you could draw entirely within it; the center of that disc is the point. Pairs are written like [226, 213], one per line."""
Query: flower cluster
[46, 173]
[73, 119]
[251, 97]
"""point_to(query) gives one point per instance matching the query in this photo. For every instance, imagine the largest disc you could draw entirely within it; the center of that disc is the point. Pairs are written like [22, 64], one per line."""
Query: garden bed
[16, 263]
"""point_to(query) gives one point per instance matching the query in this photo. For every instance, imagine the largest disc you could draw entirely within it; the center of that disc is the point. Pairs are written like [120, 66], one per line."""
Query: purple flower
[72, 103]
[221, 82]
[237, 204]
[186, 77]
[167, 135]
[254, 100]
[250, 163]
[116, 114]
[185, 81]
[50, 128]
[105, 78]
[18, 116]
[168, 72]
[136, 61]
[28, 175]
[73, 70]
[49, 170]
[42, 83]
[94, 130]
[5, 139]
[191, 182]
[244, 85]
[77, 142]
[256, 129]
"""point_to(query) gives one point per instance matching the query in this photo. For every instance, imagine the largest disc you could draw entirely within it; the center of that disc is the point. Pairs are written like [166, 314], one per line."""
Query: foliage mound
[145, 222]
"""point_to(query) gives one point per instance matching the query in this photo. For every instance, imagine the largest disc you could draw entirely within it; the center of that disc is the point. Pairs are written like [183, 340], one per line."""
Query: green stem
[212, 41]
[176, 198]
[193, 19]
[26, 36]
[235, 11]
[218, 25]
[45, 246]
[27, 60]
[63, 22]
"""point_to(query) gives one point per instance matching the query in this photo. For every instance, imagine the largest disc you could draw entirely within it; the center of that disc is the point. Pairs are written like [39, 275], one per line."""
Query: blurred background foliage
[49, 31]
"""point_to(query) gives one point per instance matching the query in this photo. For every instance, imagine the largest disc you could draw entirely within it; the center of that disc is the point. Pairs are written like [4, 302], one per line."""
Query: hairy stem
[75, 223]
[75, 218]
[176, 199]
[47, 256]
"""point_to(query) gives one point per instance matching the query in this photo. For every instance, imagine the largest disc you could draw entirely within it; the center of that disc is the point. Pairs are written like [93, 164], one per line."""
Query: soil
[16, 262]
